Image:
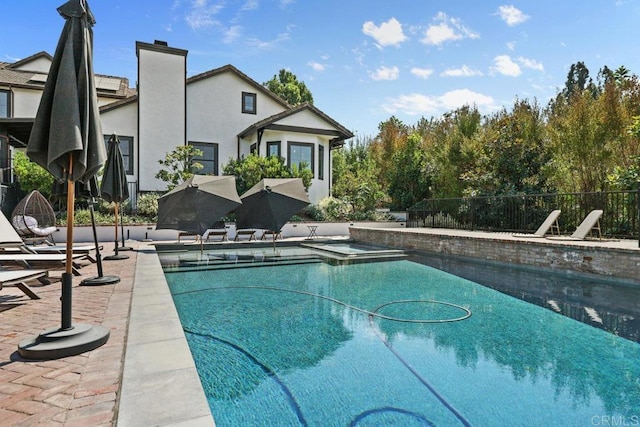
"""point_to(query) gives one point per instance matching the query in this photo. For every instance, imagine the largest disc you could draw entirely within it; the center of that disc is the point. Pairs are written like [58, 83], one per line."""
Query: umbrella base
[125, 248]
[100, 280]
[115, 257]
[57, 343]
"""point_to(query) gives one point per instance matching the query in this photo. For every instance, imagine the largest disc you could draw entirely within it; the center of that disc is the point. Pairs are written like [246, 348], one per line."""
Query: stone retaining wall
[613, 262]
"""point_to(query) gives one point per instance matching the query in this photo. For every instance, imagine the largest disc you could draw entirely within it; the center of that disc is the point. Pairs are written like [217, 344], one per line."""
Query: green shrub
[148, 205]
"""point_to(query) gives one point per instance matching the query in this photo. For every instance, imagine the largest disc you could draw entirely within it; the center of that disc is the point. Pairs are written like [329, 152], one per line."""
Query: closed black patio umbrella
[271, 203]
[66, 139]
[196, 204]
[114, 188]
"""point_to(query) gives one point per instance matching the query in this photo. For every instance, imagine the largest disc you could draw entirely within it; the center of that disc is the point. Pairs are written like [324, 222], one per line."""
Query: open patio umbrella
[66, 139]
[196, 204]
[271, 203]
[114, 188]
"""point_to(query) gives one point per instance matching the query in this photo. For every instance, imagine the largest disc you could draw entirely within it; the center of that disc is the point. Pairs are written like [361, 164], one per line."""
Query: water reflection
[599, 302]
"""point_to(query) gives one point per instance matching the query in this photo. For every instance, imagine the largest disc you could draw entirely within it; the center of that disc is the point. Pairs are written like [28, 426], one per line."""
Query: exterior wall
[36, 65]
[607, 261]
[123, 121]
[25, 102]
[161, 109]
[214, 112]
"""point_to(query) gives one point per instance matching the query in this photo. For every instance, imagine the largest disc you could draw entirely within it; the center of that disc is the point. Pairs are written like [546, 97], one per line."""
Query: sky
[363, 60]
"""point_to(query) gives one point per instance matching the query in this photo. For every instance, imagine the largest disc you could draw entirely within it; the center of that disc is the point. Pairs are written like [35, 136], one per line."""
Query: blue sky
[363, 60]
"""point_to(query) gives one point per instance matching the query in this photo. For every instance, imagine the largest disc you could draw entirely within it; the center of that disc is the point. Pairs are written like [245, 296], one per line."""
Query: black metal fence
[526, 213]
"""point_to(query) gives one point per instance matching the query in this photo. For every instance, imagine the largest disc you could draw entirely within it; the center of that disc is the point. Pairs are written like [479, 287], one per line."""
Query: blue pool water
[302, 344]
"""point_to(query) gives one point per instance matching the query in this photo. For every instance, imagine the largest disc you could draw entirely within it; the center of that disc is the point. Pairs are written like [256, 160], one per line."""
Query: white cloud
[316, 66]
[415, 104]
[422, 73]
[232, 34]
[202, 14]
[531, 63]
[464, 71]
[505, 66]
[460, 97]
[511, 45]
[385, 73]
[446, 29]
[387, 34]
[269, 44]
[511, 15]
[250, 5]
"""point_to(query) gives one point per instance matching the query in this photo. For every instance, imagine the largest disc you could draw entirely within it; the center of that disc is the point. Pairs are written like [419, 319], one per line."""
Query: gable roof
[340, 132]
[17, 74]
[231, 69]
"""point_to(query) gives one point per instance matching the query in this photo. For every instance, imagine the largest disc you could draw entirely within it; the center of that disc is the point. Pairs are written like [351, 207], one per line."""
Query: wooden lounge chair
[551, 223]
[18, 278]
[274, 235]
[589, 225]
[241, 233]
[218, 230]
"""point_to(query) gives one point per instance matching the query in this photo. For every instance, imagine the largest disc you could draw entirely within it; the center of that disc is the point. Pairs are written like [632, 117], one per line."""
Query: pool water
[314, 344]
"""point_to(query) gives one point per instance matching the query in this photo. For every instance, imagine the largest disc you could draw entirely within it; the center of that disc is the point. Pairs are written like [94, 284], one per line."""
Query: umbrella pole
[115, 212]
[67, 276]
[95, 239]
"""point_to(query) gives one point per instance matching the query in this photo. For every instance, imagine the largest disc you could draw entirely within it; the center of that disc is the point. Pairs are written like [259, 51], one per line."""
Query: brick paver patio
[80, 390]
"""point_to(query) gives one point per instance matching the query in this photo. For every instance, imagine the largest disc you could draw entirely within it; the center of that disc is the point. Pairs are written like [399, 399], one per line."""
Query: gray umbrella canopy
[114, 188]
[196, 204]
[66, 138]
[271, 203]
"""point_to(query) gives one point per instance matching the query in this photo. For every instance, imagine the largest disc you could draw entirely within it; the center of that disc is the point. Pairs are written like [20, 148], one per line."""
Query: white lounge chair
[11, 243]
[18, 278]
[589, 225]
[31, 261]
[551, 223]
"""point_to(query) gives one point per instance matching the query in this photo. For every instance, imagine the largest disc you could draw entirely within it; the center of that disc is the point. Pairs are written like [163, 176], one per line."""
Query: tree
[515, 153]
[31, 176]
[251, 169]
[355, 177]
[287, 86]
[410, 176]
[180, 165]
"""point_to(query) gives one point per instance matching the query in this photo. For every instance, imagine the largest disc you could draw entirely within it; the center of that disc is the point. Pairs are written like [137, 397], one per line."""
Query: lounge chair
[18, 278]
[551, 223]
[11, 243]
[240, 233]
[589, 225]
[31, 261]
[219, 229]
[274, 235]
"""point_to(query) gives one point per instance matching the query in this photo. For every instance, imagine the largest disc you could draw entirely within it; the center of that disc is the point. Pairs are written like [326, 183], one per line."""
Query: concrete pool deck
[144, 375]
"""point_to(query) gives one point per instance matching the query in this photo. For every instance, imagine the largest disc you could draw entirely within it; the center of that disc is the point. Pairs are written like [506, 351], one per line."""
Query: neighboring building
[222, 112]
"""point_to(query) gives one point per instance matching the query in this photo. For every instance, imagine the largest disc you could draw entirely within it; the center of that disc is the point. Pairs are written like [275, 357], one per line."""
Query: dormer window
[249, 103]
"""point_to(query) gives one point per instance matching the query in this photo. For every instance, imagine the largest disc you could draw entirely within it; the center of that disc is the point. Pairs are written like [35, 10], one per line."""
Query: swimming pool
[304, 344]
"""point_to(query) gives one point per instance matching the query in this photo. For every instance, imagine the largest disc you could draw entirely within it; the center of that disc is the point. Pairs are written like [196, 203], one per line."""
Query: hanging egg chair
[34, 218]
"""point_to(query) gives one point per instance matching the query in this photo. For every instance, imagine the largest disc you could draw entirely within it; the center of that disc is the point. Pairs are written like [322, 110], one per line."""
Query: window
[208, 159]
[273, 148]
[300, 152]
[5, 106]
[249, 103]
[126, 147]
[320, 162]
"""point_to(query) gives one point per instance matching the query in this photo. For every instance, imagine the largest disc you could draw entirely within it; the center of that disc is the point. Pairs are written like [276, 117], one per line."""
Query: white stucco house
[223, 112]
